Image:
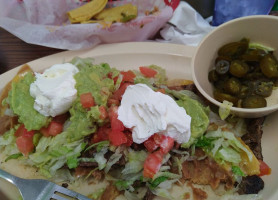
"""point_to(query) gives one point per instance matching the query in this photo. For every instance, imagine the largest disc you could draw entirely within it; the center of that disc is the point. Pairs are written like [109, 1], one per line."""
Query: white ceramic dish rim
[267, 109]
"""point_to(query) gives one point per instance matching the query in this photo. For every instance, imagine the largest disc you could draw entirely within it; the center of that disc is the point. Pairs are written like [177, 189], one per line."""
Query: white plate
[176, 60]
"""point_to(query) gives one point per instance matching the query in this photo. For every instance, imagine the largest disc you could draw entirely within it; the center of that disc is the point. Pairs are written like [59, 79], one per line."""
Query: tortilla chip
[249, 167]
[86, 12]
[122, 13]
[4, 94]
[178, 82]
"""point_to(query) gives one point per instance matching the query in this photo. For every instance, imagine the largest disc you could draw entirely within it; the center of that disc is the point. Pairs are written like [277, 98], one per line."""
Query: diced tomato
[110, 74]
[103, 112]
[21, 129]
[29, 134]
[119, 93]
[117, 138]
[148, 72]
[53, 129]
[167, 144]
[150, 144]
[159, 138]
[101, 134]
[115, 79]
[152, 164]
[24, 142]
[264, 168]
[113, 102]
[162, 90]
[116, 125]
[61, 118]
[128, 76]
[87, 100]
[129, 138]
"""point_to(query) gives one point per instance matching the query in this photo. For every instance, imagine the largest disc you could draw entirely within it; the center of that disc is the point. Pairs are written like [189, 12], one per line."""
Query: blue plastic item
[226, 10]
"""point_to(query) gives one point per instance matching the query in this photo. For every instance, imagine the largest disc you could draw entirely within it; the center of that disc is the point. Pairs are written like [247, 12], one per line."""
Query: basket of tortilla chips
[74, 24]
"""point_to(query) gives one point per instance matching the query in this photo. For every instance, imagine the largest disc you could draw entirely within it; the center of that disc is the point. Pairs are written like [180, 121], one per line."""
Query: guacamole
[199, 115]
[22, 104]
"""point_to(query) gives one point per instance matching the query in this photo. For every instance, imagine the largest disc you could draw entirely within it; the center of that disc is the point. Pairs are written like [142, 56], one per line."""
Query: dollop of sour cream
[54, 90]
[147, 112]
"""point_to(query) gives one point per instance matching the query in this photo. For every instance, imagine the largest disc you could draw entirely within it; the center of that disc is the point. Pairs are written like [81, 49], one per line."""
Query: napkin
[44, 22]
[186, 26]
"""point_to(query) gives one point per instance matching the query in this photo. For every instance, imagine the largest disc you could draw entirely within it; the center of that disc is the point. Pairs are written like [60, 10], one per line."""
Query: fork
[39, 189]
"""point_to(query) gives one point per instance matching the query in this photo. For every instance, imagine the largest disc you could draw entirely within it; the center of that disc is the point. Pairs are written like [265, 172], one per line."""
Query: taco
[126, 134]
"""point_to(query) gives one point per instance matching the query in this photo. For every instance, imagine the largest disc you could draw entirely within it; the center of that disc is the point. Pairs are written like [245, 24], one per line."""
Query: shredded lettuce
[13, 156]
[204, 142]
[179, 160]
[112, 160]
[99, 145]
[161, 192]
[224, 146]
[228, 154]
[167, 184]
[49, 158]
[225, 109]
[82, 159]
[216, 145]
[160, 77]
[157, 181]
[135, 161]
[123, 184]
[141, 79]
[7, 138]
[72, 163]
[7, 142]
[240, 127]
[100, 159]
[237, 171]
[169, 175]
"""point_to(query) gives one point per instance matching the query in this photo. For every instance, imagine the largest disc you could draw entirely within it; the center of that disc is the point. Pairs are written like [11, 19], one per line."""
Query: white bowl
[261, 29]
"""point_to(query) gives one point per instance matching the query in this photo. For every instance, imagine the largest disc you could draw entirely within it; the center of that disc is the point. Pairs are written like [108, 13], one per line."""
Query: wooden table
[14, 52]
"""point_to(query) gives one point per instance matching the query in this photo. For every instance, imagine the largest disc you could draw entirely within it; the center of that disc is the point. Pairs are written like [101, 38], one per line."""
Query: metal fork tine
[58, 197]
[39, 189]
[70, 193]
